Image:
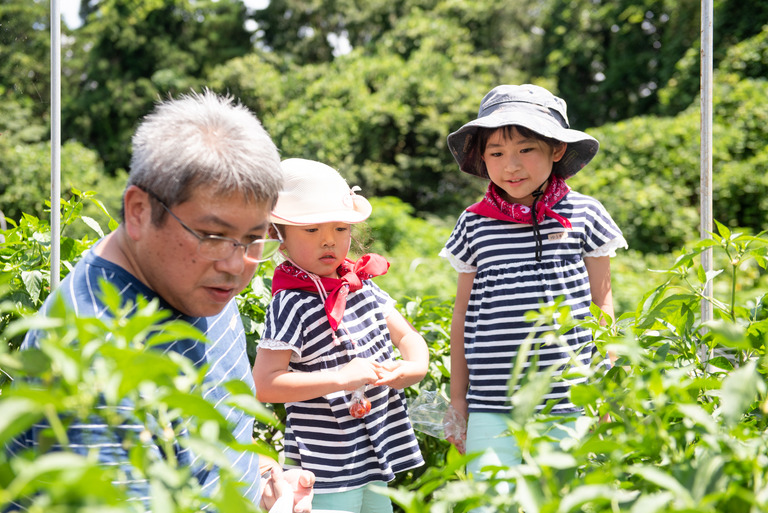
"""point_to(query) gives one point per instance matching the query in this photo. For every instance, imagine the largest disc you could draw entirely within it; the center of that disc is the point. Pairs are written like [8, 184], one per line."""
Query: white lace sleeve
[456, 263]
[279, 345]
[609, 249]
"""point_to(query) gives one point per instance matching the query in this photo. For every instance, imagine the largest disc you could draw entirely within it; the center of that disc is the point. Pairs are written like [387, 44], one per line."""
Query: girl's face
[317, 248]
[519, 165]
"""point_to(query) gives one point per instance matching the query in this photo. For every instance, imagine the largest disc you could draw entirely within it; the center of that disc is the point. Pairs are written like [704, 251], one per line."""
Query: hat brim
[362, 210]
[582, 147]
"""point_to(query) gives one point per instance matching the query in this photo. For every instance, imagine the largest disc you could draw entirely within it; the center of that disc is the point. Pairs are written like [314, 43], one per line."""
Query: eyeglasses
[215, 247]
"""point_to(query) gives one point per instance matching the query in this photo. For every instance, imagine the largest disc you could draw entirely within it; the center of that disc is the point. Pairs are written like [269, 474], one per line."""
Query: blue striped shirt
[225, 355]
[510, 282]
[320, 435]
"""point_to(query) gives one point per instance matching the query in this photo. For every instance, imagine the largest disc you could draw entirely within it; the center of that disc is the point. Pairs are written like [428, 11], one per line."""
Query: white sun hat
[315, 193]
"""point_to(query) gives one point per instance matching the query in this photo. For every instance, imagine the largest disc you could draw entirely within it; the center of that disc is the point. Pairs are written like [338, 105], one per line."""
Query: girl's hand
[395, 374]
[455, 423]
[359, 372]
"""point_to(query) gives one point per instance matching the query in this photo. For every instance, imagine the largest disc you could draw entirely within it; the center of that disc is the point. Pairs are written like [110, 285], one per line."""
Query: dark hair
[483, 134]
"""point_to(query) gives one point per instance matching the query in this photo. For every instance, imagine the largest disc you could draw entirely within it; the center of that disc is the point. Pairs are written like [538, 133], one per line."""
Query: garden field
[373, 89]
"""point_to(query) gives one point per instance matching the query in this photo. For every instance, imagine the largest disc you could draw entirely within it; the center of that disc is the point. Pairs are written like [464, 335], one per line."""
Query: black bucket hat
[528, 106]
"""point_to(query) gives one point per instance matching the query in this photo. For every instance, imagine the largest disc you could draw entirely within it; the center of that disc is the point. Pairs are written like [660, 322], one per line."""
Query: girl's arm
[459, 370]
[276, 384]
[599, 271]
[413, 349]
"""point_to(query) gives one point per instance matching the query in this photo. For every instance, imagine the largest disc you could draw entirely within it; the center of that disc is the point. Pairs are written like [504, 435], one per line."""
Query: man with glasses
[204, 178]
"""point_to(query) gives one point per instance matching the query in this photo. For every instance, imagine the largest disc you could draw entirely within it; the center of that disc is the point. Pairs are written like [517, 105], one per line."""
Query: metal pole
[706, 148]
[55, 143]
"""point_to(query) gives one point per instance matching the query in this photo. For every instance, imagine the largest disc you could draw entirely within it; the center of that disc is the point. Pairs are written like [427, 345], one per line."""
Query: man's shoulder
[85, 282]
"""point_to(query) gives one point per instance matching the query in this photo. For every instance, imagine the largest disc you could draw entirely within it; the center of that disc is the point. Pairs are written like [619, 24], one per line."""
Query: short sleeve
[383, 299]
[283, 325]
[602, 236]
[458, 249]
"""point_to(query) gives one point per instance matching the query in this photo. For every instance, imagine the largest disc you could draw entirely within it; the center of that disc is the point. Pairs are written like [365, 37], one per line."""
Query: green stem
[55, 422]
[733, 292]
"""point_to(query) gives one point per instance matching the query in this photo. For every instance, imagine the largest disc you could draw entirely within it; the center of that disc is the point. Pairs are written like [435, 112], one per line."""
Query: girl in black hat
[530, 241]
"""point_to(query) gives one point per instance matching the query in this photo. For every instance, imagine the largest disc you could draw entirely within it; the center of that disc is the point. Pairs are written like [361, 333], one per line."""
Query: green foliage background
[379, 105]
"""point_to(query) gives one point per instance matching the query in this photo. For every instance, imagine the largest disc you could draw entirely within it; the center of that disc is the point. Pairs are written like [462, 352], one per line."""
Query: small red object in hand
[359, 406]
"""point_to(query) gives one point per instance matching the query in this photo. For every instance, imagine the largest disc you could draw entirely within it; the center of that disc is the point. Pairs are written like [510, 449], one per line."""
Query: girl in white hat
[530, 241]
[327, 348]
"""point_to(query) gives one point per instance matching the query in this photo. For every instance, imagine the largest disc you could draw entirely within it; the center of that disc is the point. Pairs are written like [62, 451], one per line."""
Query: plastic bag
[359, 405]
[432, 413]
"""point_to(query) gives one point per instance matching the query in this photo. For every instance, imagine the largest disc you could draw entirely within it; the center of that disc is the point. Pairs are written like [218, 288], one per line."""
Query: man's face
[169, 263]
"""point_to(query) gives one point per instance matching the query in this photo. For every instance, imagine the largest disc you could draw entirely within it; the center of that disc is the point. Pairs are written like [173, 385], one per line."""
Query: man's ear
[137, 211]
[558, 153]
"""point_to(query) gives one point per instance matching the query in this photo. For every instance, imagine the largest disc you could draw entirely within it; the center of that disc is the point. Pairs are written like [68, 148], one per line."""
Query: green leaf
[210, 451]
[249, 404]
[529, 494]
[193, 406]
[55, 465]
[33, 281]
[708, 473]
[556, 459]
[93, 224]
[651, 503]
[738, 392]
[257, 446]
[728, 334]
[663, 480]
[530, 395]
[16, 416]
[697, 415]
[155, 367]
[585, 494]
[722, 229]
[721, 362]
[582, 395]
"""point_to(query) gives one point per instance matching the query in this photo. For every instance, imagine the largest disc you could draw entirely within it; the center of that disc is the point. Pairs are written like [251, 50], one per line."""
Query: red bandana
[494, 206]
[288, 276]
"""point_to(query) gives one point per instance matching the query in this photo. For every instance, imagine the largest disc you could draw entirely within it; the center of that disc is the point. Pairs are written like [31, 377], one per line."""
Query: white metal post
[706, 147]
[55, 143]
[707, 15]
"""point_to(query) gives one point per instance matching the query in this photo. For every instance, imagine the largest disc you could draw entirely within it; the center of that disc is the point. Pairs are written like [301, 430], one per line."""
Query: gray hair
[204, 140]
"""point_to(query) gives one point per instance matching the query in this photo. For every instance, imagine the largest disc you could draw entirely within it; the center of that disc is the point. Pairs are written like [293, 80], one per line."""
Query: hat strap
[537, 195]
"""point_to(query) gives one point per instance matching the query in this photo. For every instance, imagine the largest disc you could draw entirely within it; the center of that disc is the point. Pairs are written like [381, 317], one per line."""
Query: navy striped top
[320, 435]
[510, 282]
[226, 358]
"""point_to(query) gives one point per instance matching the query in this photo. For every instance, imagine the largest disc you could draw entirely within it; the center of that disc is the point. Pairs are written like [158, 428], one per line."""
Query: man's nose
[234, 263]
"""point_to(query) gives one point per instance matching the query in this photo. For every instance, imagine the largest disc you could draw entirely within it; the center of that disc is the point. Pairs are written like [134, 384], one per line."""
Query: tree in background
[416, 70]
[128, 54]
[24, 57]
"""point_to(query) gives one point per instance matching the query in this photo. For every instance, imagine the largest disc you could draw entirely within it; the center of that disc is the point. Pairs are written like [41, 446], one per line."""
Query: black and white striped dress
[510, 282]
[320, 435]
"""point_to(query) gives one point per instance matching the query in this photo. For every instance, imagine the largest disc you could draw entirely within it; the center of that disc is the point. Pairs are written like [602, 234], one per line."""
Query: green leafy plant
[83, 371]
[678, 424]
[25, 257]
